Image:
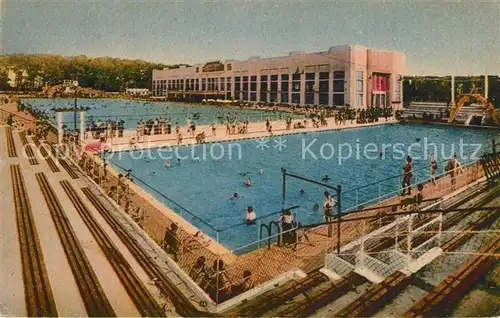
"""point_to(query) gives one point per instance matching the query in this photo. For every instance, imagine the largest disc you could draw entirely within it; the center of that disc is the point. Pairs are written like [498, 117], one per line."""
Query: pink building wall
[349, 58]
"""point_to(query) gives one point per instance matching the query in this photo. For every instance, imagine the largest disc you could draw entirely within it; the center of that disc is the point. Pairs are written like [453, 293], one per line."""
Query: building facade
[344, 75]
[137, 91]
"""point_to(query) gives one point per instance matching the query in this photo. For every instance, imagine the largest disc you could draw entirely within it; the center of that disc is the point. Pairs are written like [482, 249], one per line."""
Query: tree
[103, 73]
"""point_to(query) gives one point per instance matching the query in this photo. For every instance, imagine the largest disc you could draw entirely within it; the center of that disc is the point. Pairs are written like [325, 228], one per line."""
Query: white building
[350, 74]
[137, 91]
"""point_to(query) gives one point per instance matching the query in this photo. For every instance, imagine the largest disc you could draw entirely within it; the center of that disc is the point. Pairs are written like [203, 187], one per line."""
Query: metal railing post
[339, 209]
[409, 236]
[440, 229]
[283, 172]
[357, 198]
[396, 234]
[362, 251]
[258, 233]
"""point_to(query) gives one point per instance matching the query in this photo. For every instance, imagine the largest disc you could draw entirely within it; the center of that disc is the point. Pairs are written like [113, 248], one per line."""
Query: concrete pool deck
[255, 130]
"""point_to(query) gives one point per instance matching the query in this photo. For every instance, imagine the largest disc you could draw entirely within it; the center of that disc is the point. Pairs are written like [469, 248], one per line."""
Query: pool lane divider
[95, 300]
[27, 148]
[145, 303]
[38, 293]
[11, 147]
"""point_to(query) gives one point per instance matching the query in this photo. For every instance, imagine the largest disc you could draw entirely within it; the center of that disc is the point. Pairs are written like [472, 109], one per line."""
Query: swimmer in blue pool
[248, 183]
[326, 178]
[301, 191]
[235, 196]
[261, 171]
[167, 164]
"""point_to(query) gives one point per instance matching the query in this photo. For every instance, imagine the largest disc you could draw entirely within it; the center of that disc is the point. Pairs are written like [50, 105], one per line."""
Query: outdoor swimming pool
[131, 111]
[204, 186]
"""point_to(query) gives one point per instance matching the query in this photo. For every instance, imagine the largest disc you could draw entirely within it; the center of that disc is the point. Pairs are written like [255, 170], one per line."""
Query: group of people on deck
[105, 129]
[453, 168]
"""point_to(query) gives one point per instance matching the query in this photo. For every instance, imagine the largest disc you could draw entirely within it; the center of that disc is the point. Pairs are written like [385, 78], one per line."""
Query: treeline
[33, 71]
[438, 89]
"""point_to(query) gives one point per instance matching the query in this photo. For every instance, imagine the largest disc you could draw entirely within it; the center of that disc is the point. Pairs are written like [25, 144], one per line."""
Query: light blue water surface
[132, 110]
[204, 186]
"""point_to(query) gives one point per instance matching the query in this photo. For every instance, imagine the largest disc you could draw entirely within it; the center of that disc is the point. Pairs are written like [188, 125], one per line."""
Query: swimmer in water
[301, 191]
[261, 171]
[168, 165]
[244, 173]
[153, 173]
[248, 183]
[235, 196]
[316, 207]
[178, 161]
[326, 178]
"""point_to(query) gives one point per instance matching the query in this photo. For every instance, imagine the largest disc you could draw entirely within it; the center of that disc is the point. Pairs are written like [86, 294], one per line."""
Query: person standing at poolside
[328, 205]
[434, 169]
[179, 139]
[213, 130]
[177, 128]
[453, 167]
[286, 221]
[407, 175]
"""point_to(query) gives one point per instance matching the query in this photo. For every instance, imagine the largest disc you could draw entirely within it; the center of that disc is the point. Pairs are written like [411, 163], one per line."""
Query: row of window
[285, 97]
[249, 83]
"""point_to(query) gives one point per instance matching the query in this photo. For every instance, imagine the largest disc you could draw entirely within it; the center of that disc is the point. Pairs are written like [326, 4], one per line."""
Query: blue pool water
[204, 186]
[131, 111]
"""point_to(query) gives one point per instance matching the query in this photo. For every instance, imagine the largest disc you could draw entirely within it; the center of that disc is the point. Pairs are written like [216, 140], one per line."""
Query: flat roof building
[350, 74]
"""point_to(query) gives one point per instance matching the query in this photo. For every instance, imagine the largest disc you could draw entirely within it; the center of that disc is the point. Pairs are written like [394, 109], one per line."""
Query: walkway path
[255, 130]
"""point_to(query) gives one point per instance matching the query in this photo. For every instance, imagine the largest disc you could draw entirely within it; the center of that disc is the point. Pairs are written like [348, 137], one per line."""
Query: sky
[438, 38]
